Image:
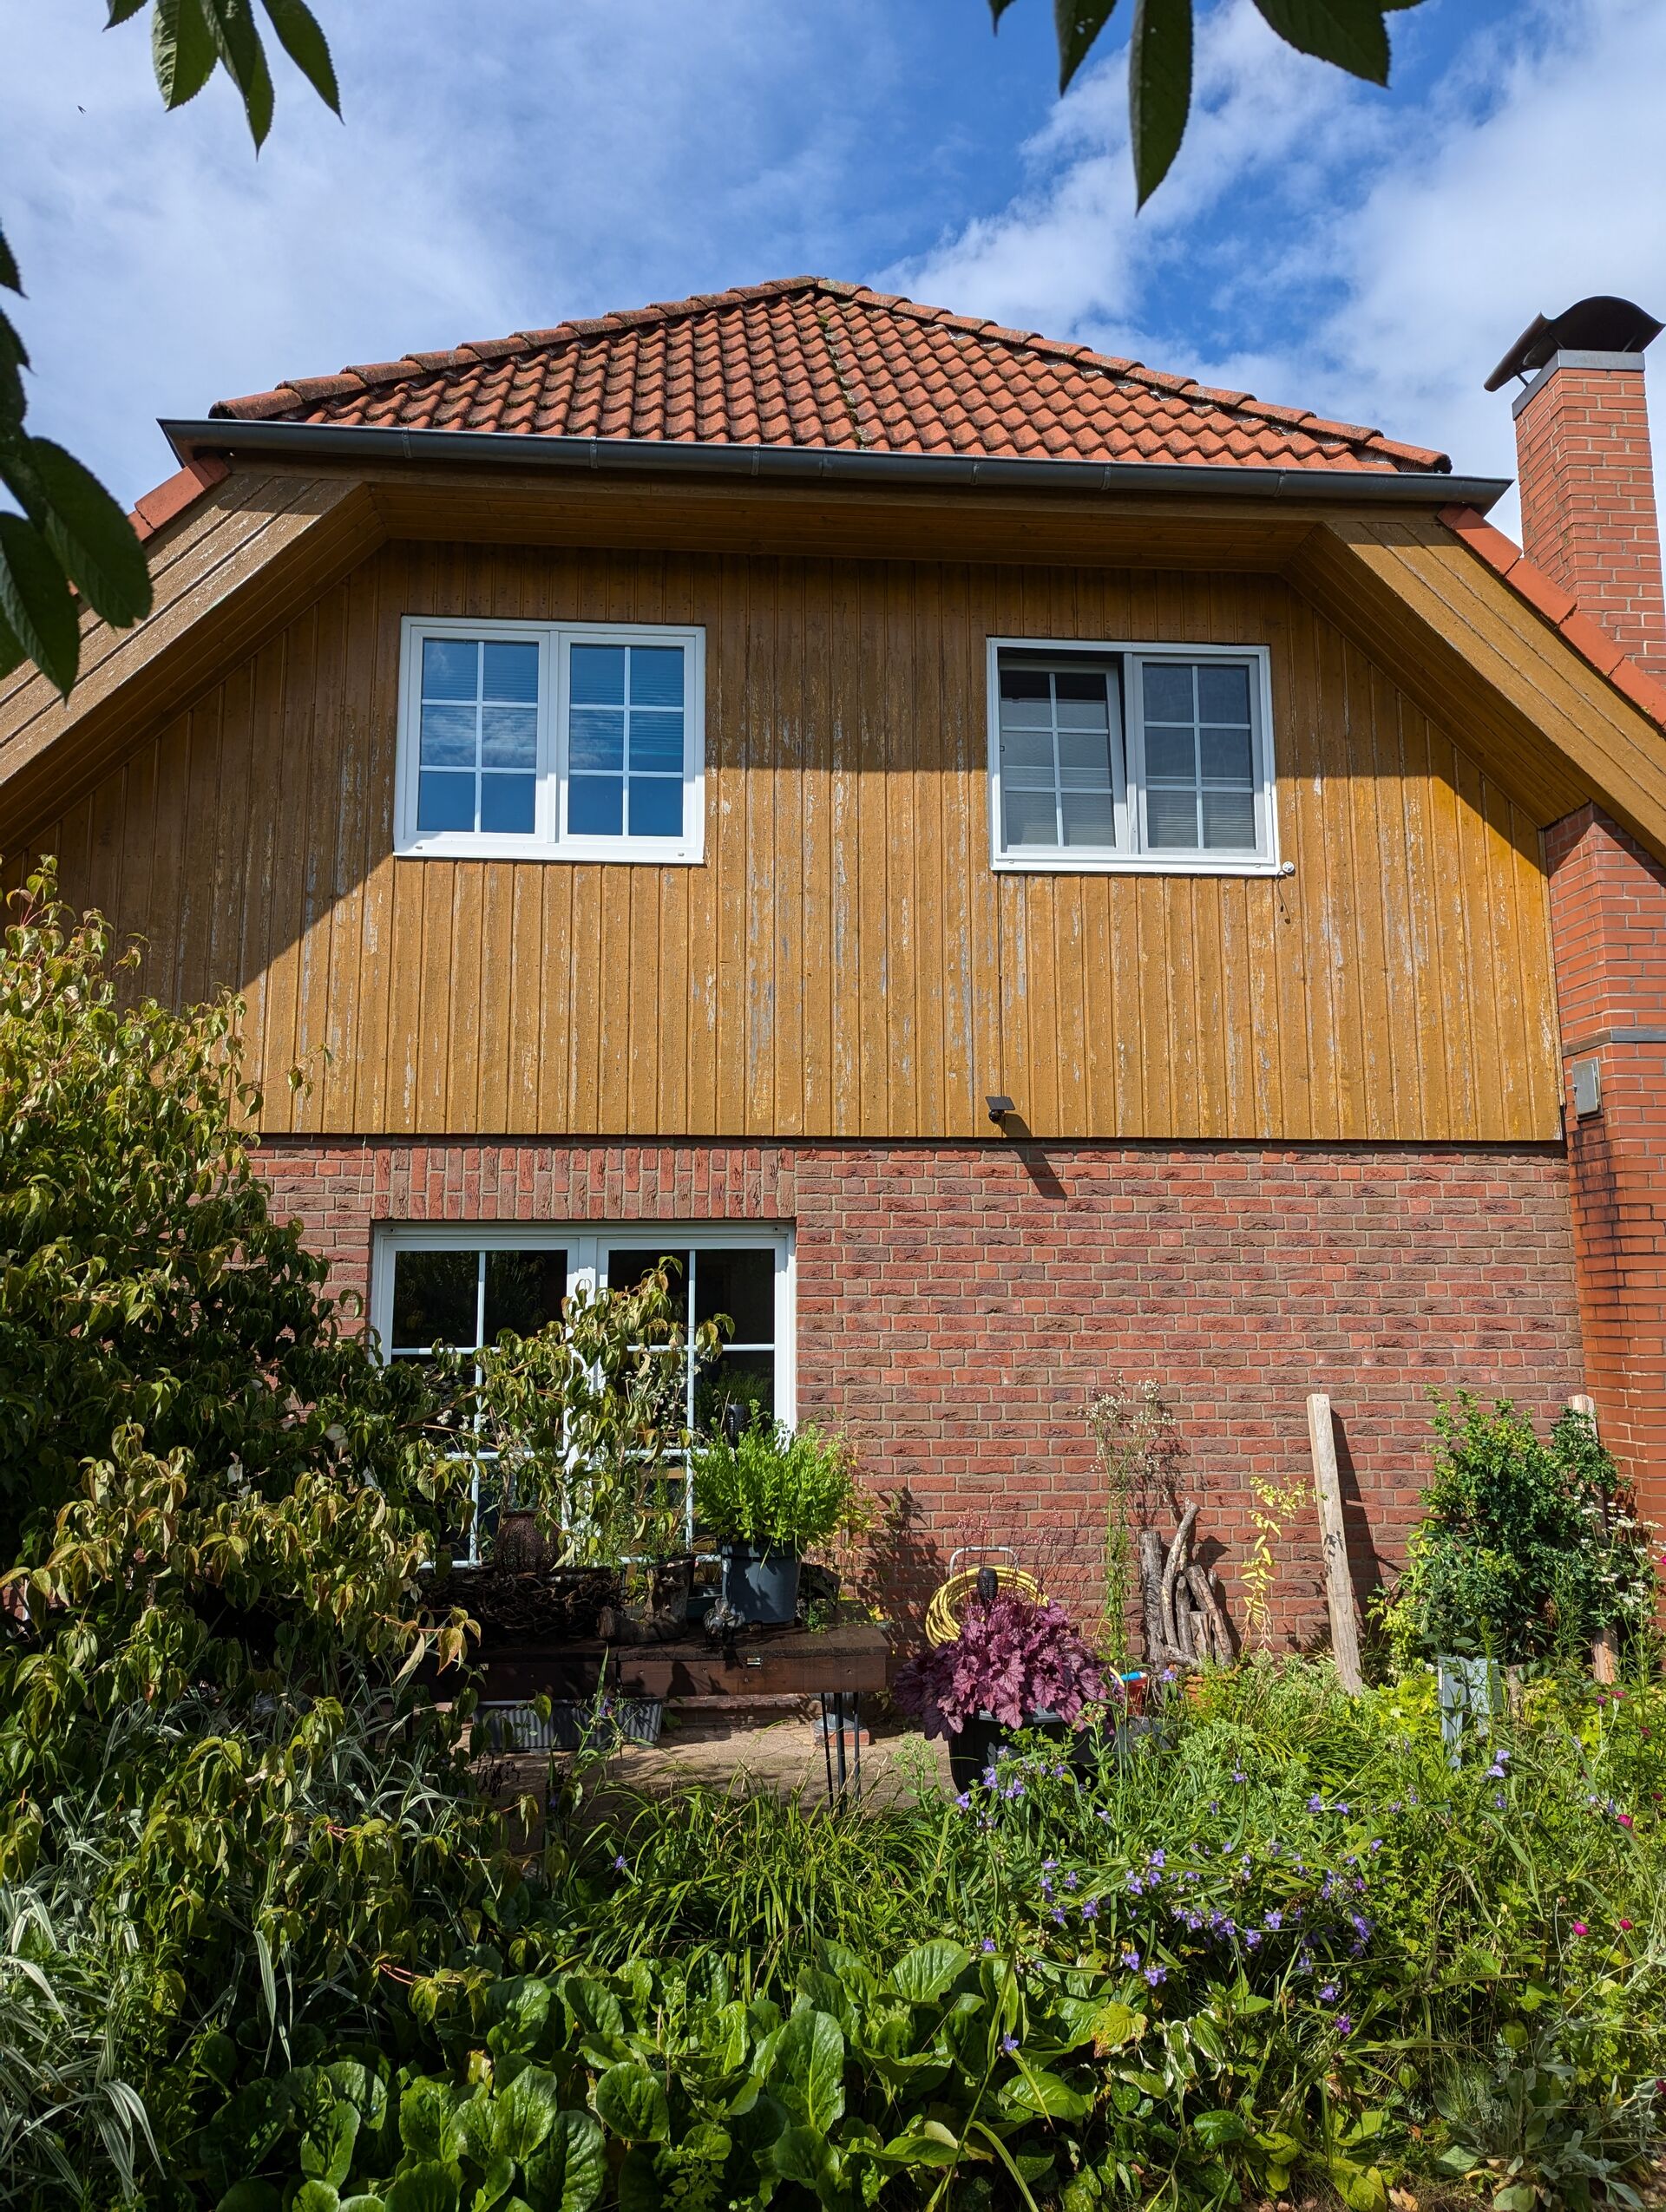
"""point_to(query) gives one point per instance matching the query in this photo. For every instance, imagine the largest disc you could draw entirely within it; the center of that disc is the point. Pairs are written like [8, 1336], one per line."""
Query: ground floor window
[464, 1287]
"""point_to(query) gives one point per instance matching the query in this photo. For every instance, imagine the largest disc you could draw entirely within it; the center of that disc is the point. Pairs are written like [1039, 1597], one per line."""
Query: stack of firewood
[1186, 1621]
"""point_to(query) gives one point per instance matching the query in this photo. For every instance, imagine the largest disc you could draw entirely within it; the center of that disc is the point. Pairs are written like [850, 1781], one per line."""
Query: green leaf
[523, 2114]
[497, 2179]
[920, 2148]
[1159, 89]
[1046, 2095]
[249, 2196]
[89, 533]
[1215, 2130]
[804, 2156]
[121, 10]
[9, 276]
[183, 50]
[316, 2196]
[232, 23]
[924, 1974]
[327, 2146]
[630, 2101]
[809, 2050]
[997, 10]
[1078, 23]
[304, 42]
[1350, 33]
[568, 2173]
[428, 2125]
[428, 2186]
[35, 602]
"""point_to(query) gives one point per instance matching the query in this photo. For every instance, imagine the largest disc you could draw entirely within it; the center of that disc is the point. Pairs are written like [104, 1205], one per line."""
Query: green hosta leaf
[316, 2196]
[427, 2186]
[366, 2093]
[183, 50]
[524, 2113]
[302, 40]
[1078, 23]
[367, 2202]
[804, 2156]
[1350, 33]
[565, 2175]
[1159, 89]
[923, 1974]
[931, 2145]
[232, 23]
[327, 2146]
[35, 601]
[630, 2101]
[496, 2182]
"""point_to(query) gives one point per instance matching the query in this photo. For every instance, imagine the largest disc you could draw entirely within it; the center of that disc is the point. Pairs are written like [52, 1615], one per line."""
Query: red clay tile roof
[807, 362]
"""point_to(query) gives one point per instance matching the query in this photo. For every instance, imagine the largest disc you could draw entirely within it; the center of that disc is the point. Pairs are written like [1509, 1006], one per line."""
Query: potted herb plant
[1015, 1664]
[769, 1494]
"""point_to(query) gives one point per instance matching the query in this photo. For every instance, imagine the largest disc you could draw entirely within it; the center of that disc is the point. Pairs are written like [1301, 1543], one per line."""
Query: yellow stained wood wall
[845, 962]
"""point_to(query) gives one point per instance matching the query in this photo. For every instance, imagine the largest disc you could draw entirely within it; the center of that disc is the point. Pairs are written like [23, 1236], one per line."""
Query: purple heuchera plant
[1012, 1658]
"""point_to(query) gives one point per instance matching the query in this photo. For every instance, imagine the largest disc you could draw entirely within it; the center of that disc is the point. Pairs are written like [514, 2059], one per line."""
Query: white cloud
[1383, 254]
[566, 160]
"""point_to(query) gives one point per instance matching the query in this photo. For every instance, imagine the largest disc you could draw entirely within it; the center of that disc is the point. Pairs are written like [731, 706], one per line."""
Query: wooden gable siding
[846, 962]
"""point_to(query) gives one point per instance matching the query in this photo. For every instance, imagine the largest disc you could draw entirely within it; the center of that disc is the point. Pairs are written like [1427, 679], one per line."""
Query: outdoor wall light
[1000, 1107]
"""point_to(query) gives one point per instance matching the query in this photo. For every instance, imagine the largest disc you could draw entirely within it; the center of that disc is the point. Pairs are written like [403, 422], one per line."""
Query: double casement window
[551, 741]
[463, 1286]
[1143, 757]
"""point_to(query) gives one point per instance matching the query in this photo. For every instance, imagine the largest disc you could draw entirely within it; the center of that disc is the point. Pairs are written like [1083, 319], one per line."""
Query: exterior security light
[998, 1106]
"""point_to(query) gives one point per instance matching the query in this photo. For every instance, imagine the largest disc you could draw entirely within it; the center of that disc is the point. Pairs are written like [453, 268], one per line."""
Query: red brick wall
[957, 1304]
[1588, 515]
[1608, 920]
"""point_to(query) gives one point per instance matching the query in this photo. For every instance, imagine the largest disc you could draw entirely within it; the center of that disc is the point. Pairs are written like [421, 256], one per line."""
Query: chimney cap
[1600, 325]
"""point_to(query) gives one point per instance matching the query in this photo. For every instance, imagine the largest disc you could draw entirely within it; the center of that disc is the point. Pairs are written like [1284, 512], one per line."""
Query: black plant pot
[980, 1743]
[760, 1587]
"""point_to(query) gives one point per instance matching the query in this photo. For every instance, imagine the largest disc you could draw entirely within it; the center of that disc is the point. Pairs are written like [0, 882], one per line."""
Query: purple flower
[1316, 1804]
[1328, 1993]
[1344, 2026]
[1156, 1975]
[1131, 1960]
[620, 1865]
[1252, 1938]
[964, 1801]
[988, 1946]
[1070, 1882]
[1090, 1909]
[1009, 2044]
[1238, 1774]
[1274, 1922]
[1157, 1859]
[1059, 1914]
[1214, 1804]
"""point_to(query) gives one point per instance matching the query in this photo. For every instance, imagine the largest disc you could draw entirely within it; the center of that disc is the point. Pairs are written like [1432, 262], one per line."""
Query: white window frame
[546, 840]
[1128, 777]
[586, 1245]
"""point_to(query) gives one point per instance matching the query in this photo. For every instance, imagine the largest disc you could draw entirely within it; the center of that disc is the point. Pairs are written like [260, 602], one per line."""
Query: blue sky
[1368, 255]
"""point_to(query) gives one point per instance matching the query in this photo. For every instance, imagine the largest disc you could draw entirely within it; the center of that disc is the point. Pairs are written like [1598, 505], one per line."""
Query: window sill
[1138, 864]
[611, 852]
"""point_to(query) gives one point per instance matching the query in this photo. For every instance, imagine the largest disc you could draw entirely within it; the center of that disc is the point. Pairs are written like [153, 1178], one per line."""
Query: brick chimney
[1588, 520]
[1588, 516]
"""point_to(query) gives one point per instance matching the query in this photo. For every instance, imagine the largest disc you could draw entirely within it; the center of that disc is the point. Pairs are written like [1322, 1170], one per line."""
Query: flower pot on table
[760, 1587]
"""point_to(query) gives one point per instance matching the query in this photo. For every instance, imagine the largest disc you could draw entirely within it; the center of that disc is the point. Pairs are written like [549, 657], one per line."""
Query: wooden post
[1339, 1584]
[1604, 1659]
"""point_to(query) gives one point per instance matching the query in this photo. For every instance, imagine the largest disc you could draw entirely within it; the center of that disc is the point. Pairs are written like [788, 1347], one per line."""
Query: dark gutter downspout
[512, 449]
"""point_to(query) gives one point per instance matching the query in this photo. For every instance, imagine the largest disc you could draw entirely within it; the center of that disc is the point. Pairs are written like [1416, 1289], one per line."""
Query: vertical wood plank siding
[845, 963]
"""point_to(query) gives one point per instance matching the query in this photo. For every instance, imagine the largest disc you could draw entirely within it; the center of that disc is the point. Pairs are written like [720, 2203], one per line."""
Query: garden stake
[1339, 1585]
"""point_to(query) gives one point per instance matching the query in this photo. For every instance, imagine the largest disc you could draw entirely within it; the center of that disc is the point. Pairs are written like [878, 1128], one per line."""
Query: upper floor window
[1145, 757]
[551, 741]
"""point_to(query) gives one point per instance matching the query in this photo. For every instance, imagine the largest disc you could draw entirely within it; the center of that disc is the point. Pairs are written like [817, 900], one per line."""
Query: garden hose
[943, 1615]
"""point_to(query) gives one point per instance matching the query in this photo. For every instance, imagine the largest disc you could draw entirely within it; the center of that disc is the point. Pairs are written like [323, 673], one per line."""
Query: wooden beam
[1339, 1583]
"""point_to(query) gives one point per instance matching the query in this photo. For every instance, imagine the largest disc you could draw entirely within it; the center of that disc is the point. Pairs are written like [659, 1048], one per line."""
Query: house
[1019, 868]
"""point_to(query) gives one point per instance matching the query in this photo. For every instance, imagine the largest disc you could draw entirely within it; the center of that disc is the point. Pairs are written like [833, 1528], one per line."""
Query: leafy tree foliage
[1352, 34]
[1529, 1545]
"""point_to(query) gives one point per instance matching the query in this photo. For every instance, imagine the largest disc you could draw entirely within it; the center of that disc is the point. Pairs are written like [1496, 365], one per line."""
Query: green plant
[1528, 1546]
[779, 1490]
[584, 1424]
[1257, 1577]
[1137, 1448]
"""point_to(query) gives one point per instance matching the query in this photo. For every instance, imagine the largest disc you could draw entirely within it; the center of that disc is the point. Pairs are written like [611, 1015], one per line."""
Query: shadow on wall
[1365, 1566]
[901, 1567]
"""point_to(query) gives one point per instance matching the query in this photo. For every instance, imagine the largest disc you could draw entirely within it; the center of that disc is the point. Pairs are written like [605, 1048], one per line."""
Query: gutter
[823, 464]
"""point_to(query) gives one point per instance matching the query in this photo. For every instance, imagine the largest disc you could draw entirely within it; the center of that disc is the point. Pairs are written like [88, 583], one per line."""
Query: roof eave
[515, 449]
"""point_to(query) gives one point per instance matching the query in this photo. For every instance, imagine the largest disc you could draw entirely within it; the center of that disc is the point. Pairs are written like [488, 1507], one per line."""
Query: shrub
[1528, 1546]
[1012, 1659]
[777, 1490]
